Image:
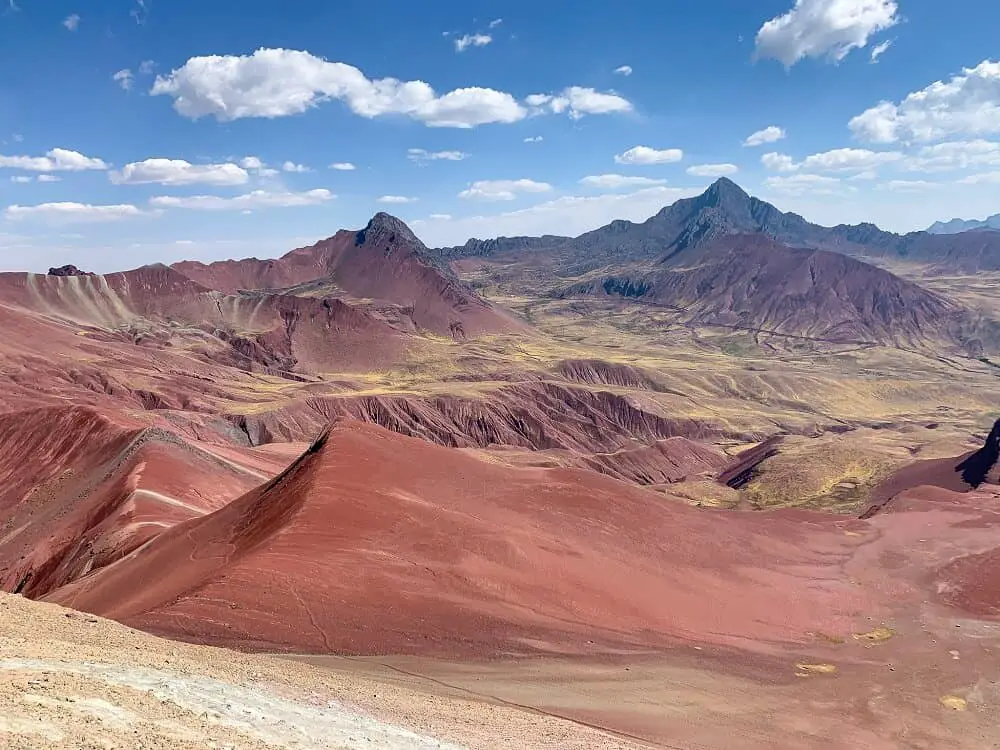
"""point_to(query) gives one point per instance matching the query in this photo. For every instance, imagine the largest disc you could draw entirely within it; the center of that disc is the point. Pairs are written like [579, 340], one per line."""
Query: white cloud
[249, 201]
[618, 181]
[146, 67]
[422, 156]
[868, 174]
[778, 162]
[534, 139]
[984, 178]
[968, 104]
[951, 155]
[578, 101]
[567, 215]
[440, 217]
[22, 178]
[645, 155]
[770, 134]
[70, 212]
[502, 190]
[624, 70]
[836, 160]
[140, 12]
[712, 170]
[251, 162]
[909, 185]
[824, 28]
[290, 166]
[123, 78]
[472, 40]
[880, 49]
[178, 172]
[72, 22]
[56, 160]
[395, 199]
[849, 160]
[48, 178]
[495, 22]
[280, 82]
[343, 166]
[797, 184]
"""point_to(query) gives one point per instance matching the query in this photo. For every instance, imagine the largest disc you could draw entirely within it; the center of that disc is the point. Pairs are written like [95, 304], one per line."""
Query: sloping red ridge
[384, 261]
[374, 542]
[79, 491]
[961, 474]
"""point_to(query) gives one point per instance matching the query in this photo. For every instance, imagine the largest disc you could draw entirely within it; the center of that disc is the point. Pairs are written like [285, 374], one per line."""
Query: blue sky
[133, 132]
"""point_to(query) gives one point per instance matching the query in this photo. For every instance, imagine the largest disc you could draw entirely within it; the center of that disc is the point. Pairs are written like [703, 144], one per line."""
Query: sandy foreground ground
[72, 680]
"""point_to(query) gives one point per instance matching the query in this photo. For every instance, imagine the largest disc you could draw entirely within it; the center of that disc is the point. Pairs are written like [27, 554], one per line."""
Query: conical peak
[386, 228]
[725, 191]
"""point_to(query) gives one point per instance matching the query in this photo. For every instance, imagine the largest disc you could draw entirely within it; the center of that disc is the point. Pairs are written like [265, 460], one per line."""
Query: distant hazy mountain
[726, 209]
[957, 226]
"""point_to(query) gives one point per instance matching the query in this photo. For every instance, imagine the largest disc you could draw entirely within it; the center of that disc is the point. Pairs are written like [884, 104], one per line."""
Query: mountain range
[957, 226]
[724, 209]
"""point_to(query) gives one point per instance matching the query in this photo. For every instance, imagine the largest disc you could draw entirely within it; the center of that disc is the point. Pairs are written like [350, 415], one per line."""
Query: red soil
[79, 492]
[374, 542]
[384, 261]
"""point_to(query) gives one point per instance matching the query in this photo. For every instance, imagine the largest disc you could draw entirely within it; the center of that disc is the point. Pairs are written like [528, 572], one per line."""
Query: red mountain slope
[374, 542]
[384, 261]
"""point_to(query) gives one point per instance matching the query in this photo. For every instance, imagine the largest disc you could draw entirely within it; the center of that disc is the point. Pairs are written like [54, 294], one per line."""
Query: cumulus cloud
[835, 160]
[712, 170]
[566, 215]
[146, 67]
[578, 101]
[645, 155]
[534, 139]
[966, 105]
[880, 49]
[343, 166]
[22, 178]
[72, 22]
[770, 134]
[291, 166]
[849, 159]
[618, 181]
[824, 28]
[56, 160]
[502, 190]
[624, 70]
[798, 184]
[778, 162]
[909, 185]
[123, 78]
[178, 172]
[280, 82]
[951, 155]
[440, 217]
[72, 212]
[246, 202]
[423, 156]
[462, 43]
[401, 199]
[984, 178]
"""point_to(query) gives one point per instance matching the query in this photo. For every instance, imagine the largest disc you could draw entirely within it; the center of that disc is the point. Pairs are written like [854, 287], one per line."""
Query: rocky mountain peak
[725, 194]
[386, 230]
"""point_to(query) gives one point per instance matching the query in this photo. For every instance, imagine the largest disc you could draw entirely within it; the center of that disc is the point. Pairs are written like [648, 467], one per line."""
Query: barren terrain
[494, 500]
